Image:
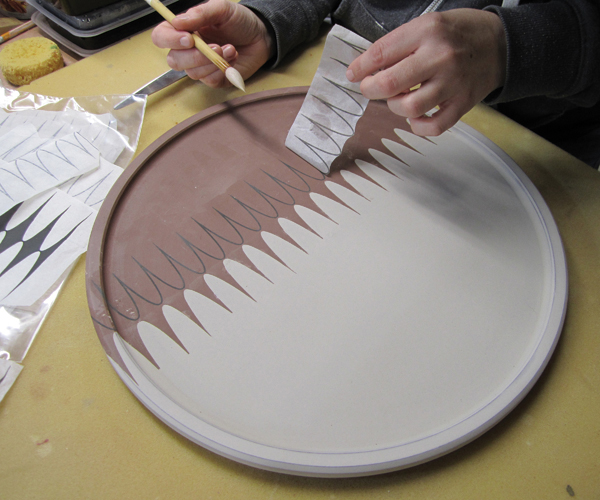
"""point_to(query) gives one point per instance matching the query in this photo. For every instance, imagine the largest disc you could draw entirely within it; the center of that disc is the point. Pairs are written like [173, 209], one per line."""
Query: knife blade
[155, 85]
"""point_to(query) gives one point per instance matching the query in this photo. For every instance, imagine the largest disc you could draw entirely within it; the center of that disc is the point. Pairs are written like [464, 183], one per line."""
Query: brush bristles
[233, 75]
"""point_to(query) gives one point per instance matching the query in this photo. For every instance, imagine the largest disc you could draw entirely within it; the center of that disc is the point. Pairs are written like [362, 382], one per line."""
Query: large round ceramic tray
[328, 326]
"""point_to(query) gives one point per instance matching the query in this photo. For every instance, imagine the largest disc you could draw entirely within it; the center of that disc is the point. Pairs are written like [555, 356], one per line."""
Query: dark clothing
[553, 66]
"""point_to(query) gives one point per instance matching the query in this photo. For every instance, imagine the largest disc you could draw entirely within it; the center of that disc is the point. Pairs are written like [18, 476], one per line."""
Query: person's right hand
[232, 30]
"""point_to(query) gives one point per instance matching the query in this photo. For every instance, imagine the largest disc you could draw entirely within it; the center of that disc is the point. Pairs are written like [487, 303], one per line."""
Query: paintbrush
[17, 31]
[232, 74]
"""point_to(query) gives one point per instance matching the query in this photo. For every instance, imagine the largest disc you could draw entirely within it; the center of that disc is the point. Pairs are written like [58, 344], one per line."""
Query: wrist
[269, 36]
[500, 56]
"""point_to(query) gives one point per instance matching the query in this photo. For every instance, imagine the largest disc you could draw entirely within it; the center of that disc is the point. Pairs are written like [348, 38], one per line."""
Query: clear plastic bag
[19, 325]
[128, 120]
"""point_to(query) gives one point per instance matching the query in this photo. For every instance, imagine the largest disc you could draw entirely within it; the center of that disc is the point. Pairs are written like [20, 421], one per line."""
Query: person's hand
[458, 57]
[232, 30]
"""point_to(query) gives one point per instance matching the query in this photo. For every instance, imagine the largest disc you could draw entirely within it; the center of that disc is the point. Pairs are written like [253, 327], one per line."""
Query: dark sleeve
[553, 50]
[291, 22]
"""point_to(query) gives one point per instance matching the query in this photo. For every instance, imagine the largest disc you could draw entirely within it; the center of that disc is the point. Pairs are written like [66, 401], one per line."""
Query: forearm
[291, 22]
[553, 49]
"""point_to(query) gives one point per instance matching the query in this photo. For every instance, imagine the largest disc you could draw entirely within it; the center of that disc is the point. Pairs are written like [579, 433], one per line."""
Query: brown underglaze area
[376, 124]
[195, 197]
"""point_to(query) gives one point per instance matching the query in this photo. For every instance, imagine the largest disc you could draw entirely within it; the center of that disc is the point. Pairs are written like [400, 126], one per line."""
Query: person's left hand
[458, 57]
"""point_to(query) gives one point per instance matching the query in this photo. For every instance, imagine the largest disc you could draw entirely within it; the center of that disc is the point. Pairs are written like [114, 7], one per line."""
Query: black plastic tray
[110, 36]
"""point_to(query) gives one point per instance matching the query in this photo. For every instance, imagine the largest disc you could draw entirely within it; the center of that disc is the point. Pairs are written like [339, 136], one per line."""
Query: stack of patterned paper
[55, 170]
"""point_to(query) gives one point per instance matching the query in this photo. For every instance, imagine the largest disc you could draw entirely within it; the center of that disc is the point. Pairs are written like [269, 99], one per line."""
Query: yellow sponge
[23, 61]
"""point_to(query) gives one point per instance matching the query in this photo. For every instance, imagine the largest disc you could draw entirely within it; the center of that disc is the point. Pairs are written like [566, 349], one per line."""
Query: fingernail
[182, 17]
[228, 52]
[185, 41]
[350, 75]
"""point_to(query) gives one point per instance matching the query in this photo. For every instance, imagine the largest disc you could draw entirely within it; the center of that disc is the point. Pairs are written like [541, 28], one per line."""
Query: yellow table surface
[70, 429]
